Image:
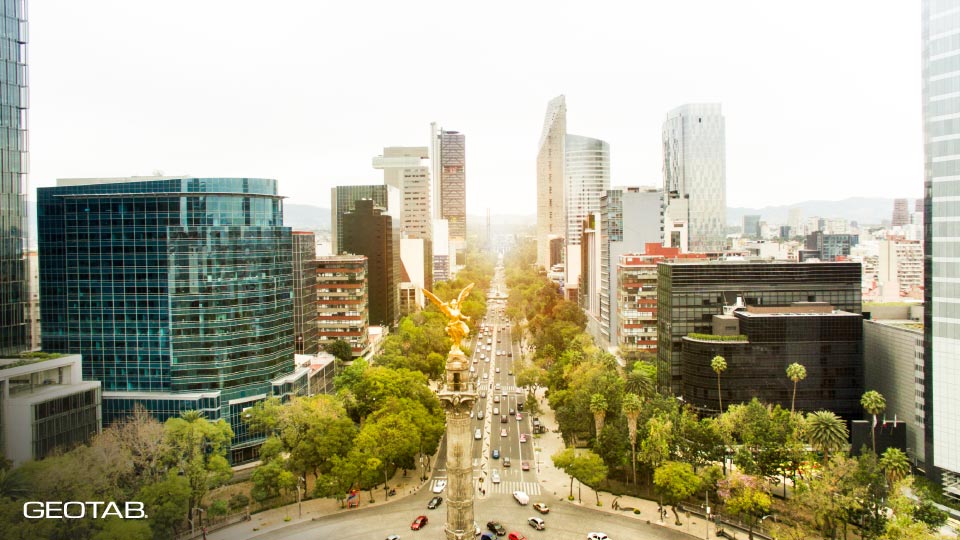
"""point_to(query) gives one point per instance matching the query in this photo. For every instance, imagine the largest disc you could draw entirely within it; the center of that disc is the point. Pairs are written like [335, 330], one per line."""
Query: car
[393, 537]
[519, 417]
[483, 394]
[434, 503]
[496, 398]
[516, 536]
[503, 419]
[486, 376]
[477, 434]
[496, 410]
[471, 414]
[496, 386]
[483, 356]
[521, 497]
[480, 414]
[488, 536]
[496, 454]
[541, 507]
[418, 523]
[503, 432]
[475, 360]
[439, 486]
[524, 466]
[597, 536]
[496, 528]
[512, 412]
[497, 370]
[510, 355]
[510, 373]
[536, 523]
[520, 406]
[523, 437]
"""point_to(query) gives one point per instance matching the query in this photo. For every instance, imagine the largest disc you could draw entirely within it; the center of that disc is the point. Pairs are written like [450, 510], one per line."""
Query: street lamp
[299, 500]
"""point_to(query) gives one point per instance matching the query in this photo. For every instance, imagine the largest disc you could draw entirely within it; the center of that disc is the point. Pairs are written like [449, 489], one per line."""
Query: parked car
[496, 528]
[516, 536]
[418, 523]
[541, 507]
[536, 523]
[439, 486]
[434, 503]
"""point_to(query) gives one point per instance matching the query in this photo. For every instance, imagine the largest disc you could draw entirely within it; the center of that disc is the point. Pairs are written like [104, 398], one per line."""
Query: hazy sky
[821, 98]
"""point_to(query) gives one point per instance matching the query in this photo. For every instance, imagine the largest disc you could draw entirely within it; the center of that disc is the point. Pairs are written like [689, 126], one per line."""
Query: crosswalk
[506, 486]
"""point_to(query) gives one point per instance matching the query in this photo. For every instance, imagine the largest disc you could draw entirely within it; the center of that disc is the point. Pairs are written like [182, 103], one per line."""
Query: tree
[641, 379]
[598, 406]
[744, 497]
[631, 410]
[676, 481]
[895, 465]
[719, 365]
[124, 529]
[825, 431]
[874, 403]
[655, 447]
[565, 460]
[167, 502]
[340, 349]
[591, 470]
[197, 448]
[796, 372]
[908, 521]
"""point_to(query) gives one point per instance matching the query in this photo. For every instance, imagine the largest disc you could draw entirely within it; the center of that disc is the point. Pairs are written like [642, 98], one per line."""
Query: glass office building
[14, 160]
[176, 291]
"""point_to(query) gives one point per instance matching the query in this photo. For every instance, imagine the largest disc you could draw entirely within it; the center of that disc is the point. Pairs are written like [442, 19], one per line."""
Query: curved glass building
[176, 291]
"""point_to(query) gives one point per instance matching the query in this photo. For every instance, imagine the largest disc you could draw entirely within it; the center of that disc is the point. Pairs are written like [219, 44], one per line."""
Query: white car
[477, 434]
[521, 497]
[597, 536]
[495, 477]
[439, 486]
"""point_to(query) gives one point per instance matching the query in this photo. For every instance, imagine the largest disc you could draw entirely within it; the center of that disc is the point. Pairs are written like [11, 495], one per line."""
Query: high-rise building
[831, 247]
[441, 251]
[14, 165]
[694, 174]
[342, 198]
[689, 294]
[587, 172]
[407, 169]
[940, 23]
[751, 226]
[305, 292]
[551, 179]
[368, 231]
[449, 160]
[342, 301]
[176, 291]
[416, 272]
[899, 267]
[901, 215]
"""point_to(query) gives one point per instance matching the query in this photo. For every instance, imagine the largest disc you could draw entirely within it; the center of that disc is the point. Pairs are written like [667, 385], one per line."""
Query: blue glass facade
[174, 286]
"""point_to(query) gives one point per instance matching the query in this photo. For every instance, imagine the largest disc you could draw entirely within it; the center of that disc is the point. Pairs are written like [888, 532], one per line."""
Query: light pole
[299, 500]
[707, 516]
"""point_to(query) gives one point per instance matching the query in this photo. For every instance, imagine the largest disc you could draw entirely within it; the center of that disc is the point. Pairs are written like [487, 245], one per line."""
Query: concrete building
[831, 247]
[449, 160]
[826, 341]
[14, 280]
[416, 272]
[690, 293]
[587, 173]
[900, 214]
[342, 301]
[551, 179]
[178, 293]
[940, 103]
[305, 293]
[589, 279]
[343, 198]
[894, 349]
[899, 267]
[407, 169]
[441, 251]
[694, 175]
[46, 405]
[750, 226]
[371, 233]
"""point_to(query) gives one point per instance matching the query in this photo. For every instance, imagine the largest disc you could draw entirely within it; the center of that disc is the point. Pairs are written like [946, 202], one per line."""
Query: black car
[496, 528]
[434, 502]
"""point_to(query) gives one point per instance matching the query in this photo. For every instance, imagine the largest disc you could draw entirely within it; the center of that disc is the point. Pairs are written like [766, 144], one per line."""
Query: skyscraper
[368, 231]
[751, 226]
[449, 161]
[342, 301]
[901, 216]
[176, 291]
[14, 161]
[694, 173]
[342, 198]
[406, 169]
[305, 292]
[551, 161]
[940, 24]
[587, 173]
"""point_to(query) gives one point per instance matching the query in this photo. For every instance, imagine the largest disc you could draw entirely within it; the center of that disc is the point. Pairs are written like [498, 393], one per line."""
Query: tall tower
[14, 165]
[587, 179]
[371, 232]
[551, 205]
[901, 216]
[940, 23]
[449, 161]
[406, 169]
[694, 173]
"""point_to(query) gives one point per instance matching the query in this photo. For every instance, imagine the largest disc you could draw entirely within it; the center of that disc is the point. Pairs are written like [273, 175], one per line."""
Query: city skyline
[294, 124]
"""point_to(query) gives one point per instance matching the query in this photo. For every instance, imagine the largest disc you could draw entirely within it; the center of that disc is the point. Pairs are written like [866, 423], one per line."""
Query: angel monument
[458, 397]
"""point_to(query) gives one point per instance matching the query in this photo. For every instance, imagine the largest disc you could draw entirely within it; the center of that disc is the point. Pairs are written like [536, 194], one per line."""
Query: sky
[821, 98]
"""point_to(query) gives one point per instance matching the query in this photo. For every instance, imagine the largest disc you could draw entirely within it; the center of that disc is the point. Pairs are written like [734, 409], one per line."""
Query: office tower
[368, 231]
[629, 222]
[694, 174]
[795, 221]
[762, 342]
[176, 291]
[551, 161]
[587, 172]
[831, 247]
[33, 311]
[416, 272]
[14, 166]
[449, 160]
[305, 292]
[918, 206]
[588, 285]
[342, 199]
[689, 294]
[441, 251]
[941, 78]
[786, 232]
[750, 226]
[342, 301]
[407, 169]
[900, 214]
[46, 406]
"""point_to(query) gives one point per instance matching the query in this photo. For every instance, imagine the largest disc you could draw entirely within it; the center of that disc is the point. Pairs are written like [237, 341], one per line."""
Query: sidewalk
[556, 484]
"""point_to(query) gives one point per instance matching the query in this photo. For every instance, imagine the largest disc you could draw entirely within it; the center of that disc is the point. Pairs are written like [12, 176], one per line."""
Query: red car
[516, 536]
[418, 523]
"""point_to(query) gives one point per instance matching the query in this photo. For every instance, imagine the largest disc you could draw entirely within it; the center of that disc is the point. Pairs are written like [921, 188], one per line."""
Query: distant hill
[863, 210]
[305, 216]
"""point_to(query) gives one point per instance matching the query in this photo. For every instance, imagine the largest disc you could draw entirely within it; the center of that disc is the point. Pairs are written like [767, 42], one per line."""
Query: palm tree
[894, 464]
[598, 406]
[719, 365]
[797, 373]
[632, 404]
[639, 382]
[825, 432]
[191, 416]
[874, 403]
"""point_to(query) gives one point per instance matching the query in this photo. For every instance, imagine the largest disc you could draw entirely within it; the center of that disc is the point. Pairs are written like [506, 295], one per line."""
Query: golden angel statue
[457, 327]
